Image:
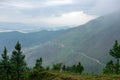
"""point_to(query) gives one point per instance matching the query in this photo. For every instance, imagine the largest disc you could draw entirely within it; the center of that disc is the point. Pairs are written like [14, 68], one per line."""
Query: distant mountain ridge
[9, 39]
[28, 28]
[89, 43]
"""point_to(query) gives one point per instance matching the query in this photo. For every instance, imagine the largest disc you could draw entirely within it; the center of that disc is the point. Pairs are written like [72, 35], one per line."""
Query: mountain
[89, 44]
[9, 39]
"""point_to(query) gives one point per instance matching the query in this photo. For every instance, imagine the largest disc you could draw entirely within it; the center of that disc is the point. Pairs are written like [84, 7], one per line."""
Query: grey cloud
[38, 8]
[103, 7]
[95, 7]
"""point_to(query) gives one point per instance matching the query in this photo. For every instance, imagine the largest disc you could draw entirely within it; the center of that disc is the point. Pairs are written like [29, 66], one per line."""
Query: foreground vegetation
[54, 75]
[14, 67]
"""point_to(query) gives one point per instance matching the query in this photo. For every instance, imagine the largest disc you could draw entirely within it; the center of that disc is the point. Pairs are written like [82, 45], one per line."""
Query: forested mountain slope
[89, 44]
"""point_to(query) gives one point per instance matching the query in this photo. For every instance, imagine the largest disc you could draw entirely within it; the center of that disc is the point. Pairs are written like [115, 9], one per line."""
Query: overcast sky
[55, 13]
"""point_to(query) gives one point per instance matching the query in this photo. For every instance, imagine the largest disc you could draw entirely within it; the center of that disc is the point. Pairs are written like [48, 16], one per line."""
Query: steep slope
[89, 44]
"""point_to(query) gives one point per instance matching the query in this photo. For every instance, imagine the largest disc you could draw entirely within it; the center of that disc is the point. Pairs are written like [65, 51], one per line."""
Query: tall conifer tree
[115, 52]
[38, 64]
[5, 65]
[18, 62]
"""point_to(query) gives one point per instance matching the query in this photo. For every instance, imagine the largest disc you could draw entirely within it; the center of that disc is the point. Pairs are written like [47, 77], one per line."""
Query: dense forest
[14, 67]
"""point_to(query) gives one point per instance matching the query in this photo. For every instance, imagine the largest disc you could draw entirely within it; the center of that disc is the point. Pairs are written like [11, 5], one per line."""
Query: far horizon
[31, 16]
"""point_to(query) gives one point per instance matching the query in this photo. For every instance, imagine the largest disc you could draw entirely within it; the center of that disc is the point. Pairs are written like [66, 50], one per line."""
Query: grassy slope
[53, 75]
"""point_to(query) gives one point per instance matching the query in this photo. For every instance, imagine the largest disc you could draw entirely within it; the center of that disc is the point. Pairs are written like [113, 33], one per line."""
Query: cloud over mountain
[54, 12]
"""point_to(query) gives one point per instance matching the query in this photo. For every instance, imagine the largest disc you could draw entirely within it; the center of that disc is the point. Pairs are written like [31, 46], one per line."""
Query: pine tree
[1, 74]
[17, 61]
[80, 68]
[63, 67]
[73, 68]
[57, 66]
[38, 64]
[109, 68]
[47, 68]
[5, 65]
[115, 52]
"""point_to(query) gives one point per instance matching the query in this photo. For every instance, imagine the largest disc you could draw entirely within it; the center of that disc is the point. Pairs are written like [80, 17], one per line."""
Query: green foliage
[18, 62]
[47, 68]
[57, 66]
[64, 68]
[79, 68]
[34, 75]
[109, 68]
[115, 52]
[38, 75]
[38, 64]
[5, 65]
[75, 68]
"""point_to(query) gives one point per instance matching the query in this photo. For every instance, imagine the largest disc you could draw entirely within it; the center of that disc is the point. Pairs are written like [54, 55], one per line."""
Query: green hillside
[89, 43]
